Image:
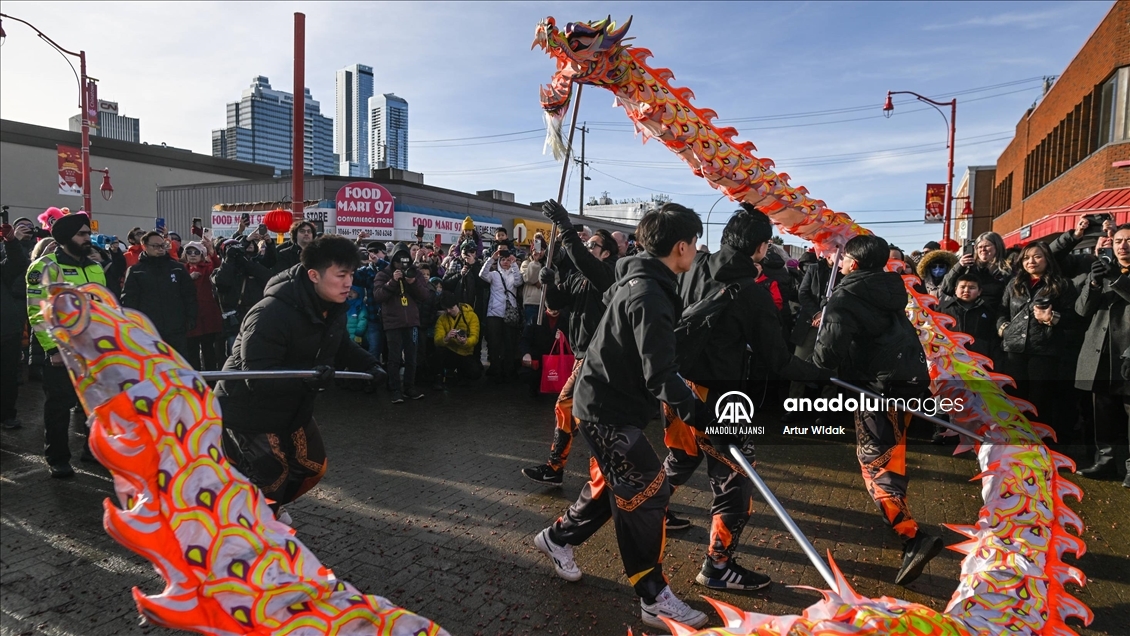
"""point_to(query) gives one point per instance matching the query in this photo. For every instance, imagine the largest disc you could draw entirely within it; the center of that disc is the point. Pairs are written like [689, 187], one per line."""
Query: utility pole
[581, 207]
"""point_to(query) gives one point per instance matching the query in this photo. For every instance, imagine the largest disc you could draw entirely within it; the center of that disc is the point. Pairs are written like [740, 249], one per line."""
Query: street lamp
[84, 87]
[107, 189]
[951, 123]
[708, 217]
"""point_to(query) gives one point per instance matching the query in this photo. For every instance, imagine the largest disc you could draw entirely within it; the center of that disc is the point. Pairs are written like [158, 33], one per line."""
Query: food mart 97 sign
[363, 206]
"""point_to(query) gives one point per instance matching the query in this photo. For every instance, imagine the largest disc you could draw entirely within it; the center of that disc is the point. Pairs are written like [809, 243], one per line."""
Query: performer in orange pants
[881, 450]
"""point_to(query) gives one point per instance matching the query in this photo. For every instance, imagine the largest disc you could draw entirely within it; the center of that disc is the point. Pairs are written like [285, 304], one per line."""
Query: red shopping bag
[557, 365]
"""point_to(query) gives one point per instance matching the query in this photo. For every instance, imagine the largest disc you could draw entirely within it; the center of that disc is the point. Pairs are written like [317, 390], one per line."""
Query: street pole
[298, 149]
[86, 201]
[581, 206]
[951, 125]
[561, 193]
[83, 103]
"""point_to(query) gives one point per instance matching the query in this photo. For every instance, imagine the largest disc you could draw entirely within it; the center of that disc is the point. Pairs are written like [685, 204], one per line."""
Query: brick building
[1073, 145]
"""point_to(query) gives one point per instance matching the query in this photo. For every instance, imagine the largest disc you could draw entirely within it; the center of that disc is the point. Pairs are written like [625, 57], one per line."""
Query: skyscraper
[110, 124]
[351, 126]
[259, 131]
[388, 132]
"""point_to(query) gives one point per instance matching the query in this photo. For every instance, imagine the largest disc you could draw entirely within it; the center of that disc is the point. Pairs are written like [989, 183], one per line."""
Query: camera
[402, 263]
[461, 333]
[1106, 255]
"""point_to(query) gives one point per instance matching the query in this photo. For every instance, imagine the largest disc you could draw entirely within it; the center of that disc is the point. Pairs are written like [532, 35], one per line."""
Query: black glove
[380, 376]
[1100, 269]
[547, 276]
[1126, 368]
[555, 212]
[323, 376]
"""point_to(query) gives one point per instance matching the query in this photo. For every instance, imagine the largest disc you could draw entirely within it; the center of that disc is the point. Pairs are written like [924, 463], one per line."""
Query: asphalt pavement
[423, 504]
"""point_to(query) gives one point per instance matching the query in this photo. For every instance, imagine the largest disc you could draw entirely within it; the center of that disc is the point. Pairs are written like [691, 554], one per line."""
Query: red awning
[1115, 202]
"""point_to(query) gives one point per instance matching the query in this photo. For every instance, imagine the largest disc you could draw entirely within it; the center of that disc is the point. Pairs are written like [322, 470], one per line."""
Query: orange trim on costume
[628, 505]
[719, 533]
[596, 478]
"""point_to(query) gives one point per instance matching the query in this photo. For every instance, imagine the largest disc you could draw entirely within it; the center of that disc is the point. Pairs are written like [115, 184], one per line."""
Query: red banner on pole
[70, 170]
[935, 202]
[92, 102]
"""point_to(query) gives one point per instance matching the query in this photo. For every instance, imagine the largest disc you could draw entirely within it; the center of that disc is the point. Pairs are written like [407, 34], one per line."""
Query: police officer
[71, 263]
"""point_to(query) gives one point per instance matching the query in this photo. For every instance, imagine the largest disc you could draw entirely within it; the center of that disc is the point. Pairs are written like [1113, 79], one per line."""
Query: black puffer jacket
[161, 288]
[978, 319]
[867, 336]
[1023, 333]
[812, 296]
[468, 288]
[631, 362]
[581, 291]
[1106, 309]
[291, 328]
[750, 319]
[13, 291]
[240, 282]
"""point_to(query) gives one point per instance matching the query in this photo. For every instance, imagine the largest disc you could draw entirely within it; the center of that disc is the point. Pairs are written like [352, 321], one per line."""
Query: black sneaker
[397, 397]
[544, 474]
[676, 523]
[916, 553]
[730, 576]
[413, 394]
[62, 471]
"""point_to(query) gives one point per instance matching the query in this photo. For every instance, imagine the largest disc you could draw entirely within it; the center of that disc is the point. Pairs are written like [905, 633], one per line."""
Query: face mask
[938, 271]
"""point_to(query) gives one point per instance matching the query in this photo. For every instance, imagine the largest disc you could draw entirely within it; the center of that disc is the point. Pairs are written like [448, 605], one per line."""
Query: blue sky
[467, 70]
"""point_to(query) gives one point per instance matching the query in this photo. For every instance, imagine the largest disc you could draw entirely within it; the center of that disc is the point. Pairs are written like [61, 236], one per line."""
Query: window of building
[1114, 108]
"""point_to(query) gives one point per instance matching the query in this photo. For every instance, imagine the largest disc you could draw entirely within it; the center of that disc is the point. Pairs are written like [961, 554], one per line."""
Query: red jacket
[208, 319]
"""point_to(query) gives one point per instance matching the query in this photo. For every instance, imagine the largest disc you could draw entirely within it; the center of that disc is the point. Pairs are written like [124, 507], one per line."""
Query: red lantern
[279, 221]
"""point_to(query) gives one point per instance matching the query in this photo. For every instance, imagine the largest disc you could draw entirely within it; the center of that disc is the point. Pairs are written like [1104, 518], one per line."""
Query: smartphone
[967, 248]
[159, 225]
[206, 233]
[245, 218]
[1106, 254]
[262, 229]
[420, 231]
[4, 215]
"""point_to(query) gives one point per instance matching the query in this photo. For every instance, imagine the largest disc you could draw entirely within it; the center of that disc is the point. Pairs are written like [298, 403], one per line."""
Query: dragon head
[585, 53]
[106, 348]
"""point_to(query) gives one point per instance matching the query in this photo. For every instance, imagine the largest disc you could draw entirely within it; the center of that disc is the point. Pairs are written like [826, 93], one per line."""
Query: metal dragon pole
[929, 418]
[278, 374]
[560, 194]
[783, 515]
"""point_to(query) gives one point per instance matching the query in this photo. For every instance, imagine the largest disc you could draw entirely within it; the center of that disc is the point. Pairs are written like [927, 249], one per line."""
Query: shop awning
[1115, 201]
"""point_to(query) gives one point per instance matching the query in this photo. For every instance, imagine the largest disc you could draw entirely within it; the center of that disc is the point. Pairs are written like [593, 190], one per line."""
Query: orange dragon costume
[230, 567]
[1013, 575]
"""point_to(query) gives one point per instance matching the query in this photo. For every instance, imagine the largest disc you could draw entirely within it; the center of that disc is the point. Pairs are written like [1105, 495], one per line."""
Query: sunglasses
[594, 245]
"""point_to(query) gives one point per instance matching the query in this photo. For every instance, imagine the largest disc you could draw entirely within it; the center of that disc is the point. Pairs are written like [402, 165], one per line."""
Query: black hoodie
[630, 364]
[751, 319]
[867, 336]
[285, 330]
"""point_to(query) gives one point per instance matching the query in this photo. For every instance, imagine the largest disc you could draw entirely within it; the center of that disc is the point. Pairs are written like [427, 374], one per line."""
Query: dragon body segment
[229, 566]
[1013, 575]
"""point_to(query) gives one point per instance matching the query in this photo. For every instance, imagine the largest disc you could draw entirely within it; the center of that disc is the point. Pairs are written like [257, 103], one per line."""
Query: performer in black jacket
[629, 367]
[581, 291]
[750, 320]
[867, 336]
[269, 430]
[160, 287]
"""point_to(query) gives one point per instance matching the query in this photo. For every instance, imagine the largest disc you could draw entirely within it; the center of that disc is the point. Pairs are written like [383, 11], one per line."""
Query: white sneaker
[562, 556]
[668, 605]
[283, 516]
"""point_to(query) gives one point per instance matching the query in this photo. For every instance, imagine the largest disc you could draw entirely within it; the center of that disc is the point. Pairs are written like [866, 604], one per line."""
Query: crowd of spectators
[1053, 315]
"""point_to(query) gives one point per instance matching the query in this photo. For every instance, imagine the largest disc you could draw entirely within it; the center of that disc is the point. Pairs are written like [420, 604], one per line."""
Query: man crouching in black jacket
[867, 336]
[269, 429]
[629, 367]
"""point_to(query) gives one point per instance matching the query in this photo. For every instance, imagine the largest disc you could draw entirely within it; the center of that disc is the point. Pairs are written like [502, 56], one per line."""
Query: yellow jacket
[467, 321]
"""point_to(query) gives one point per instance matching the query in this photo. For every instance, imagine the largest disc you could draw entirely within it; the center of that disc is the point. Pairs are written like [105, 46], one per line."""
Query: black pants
[1037, 381]
[1112, 425]
[402, 345]
[466, 368]
[502, 347]
[60, 398]
[201, 352]
[283, 466]
[880, 447]
[178, 341]
[628, 485]
[10, 350]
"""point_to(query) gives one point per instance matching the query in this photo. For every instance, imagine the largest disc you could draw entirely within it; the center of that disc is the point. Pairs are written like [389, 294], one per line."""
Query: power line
[520, 132]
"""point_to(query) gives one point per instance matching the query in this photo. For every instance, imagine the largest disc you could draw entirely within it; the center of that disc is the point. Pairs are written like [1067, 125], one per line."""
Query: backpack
[692, 331]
